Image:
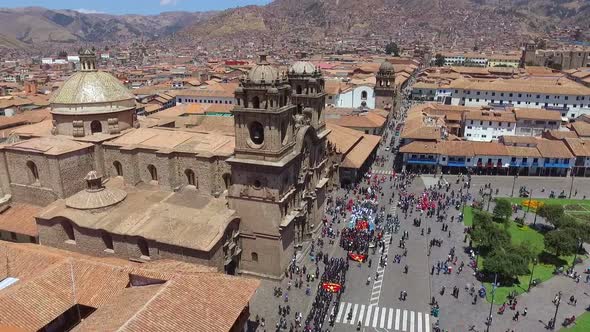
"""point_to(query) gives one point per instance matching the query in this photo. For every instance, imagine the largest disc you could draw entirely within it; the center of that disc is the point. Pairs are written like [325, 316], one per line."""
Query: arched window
[33, 172]
[118, 168]
[364, 95]
[255, 102]
[190, 177]
[254, 257]
[153, 172]
[107, 239]
[227, 180]
[95, 127]
[144, 249]
[299, 90]
[256, 132]
[69, 230]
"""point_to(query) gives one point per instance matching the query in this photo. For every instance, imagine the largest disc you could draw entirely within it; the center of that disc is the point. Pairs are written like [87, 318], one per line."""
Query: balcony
[456, 163]
[556, 165]
[422, 161]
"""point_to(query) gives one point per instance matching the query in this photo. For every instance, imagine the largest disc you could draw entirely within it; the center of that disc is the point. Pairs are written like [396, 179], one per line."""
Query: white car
[387, 148]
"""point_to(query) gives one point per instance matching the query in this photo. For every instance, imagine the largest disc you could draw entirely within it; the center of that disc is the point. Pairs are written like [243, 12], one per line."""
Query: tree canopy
[392, 49]
[561, 242]
[506, 262]
[503, 209]
[439, 60]
[552, 213]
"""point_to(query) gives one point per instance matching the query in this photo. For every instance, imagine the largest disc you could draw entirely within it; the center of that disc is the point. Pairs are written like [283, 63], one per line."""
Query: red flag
[356, 257]
[331, 287]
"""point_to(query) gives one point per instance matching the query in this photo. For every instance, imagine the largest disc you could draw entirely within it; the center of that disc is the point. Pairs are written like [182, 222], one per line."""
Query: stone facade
[385, 87]
[280, 166]
[560, 59]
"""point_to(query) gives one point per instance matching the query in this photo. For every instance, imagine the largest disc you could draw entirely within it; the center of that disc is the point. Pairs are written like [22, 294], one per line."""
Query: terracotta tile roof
[20, 218]
[560, 134]
[364, 120]
[578, 146]
[457, 148]
[523, 151]
[536, 114]
[562, 86]
[489, 148]
[520, 140]
[553, 149]
[421, 147]
[343, 138]
[361, 152]
[51, 281]
[581, 128]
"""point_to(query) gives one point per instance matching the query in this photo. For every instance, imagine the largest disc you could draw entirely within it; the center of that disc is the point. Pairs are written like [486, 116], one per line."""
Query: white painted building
[355, 97]
[568, 98]
[486, 126]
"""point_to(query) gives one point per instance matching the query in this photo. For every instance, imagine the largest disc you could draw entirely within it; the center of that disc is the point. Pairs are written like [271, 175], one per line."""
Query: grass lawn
[582, 324]
[468, 216]
[543, 270]
[577, 208]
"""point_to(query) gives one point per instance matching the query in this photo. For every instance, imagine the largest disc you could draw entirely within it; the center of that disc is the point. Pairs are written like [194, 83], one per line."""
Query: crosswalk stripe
[419, 322]
[361, 313]
[368, 319]
[354, 313]
[347, 311]
[340, 310]
[390, 319]
[375, 316]
[405, 321]
[382, 317]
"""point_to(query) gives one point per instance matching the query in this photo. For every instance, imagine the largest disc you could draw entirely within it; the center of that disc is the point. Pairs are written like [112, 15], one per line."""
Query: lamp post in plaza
[514, 183]
[532, 272]
[494, 285]
[572, 169]
[578, 247]
[556, 302]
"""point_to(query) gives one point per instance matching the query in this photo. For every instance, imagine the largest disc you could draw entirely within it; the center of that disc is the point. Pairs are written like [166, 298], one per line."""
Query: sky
[143, 7]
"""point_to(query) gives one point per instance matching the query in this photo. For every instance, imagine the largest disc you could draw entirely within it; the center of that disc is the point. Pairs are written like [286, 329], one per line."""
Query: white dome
[302, 67]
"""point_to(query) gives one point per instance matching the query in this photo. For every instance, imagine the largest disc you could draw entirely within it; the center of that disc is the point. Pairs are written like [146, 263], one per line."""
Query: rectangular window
[469, 127]
[468, 135]
[500, 124]
[484, 136]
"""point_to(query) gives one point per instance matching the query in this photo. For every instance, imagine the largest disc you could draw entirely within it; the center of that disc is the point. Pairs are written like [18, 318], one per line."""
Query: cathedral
[112, 187]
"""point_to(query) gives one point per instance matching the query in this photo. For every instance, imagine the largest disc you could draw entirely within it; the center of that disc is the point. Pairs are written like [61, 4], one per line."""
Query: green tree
[552, 213]
[506, 262]
[561, 242]
[487, 234]
[503, 209]
[439, 60]
[392, 49]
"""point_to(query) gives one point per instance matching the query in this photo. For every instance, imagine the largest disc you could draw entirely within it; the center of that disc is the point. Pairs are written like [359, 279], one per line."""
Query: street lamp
[572, 184]
[578, 247]
[532, 272]
[494, 285]
[514, 183]
[528, 205]
[557, 303]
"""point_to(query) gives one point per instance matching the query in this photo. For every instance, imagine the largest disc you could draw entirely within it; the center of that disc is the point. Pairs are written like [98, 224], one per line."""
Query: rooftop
[166, 217]
[50, 281]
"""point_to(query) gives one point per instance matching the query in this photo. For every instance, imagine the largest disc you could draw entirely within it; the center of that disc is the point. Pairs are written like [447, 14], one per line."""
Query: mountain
[452, 20]
[34, 25]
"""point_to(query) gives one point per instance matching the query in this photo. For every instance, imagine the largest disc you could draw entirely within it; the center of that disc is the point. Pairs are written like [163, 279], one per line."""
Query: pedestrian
[524, 312]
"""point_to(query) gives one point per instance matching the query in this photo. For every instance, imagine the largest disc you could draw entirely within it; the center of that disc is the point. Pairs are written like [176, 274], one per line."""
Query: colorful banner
[356, 257]
[362, 224]
[331, 287]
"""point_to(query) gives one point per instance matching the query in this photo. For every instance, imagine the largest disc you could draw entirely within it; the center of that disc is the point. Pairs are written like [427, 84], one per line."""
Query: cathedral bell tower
[307, 83]
[385, 87]
[263, 169]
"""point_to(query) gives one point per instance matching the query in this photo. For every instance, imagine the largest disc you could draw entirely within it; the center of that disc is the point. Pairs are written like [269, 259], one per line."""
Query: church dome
[302, 67]
[263, 72]
[386, 66]
[91, 87]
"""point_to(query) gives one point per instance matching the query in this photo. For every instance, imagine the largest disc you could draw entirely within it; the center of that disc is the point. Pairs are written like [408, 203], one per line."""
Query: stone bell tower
[263, 168]
[87, 60]
[385, 87]
[307, 83]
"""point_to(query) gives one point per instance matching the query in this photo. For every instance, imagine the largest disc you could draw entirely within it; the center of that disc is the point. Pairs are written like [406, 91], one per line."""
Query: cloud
[168, 2]
[88, 11]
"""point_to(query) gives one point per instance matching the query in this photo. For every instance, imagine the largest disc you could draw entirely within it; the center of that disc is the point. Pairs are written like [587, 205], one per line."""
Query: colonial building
[279, 170]
[238, 202]
[385, 86]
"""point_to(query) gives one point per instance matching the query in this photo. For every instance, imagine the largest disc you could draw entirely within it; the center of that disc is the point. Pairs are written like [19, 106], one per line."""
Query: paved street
[377, 306]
